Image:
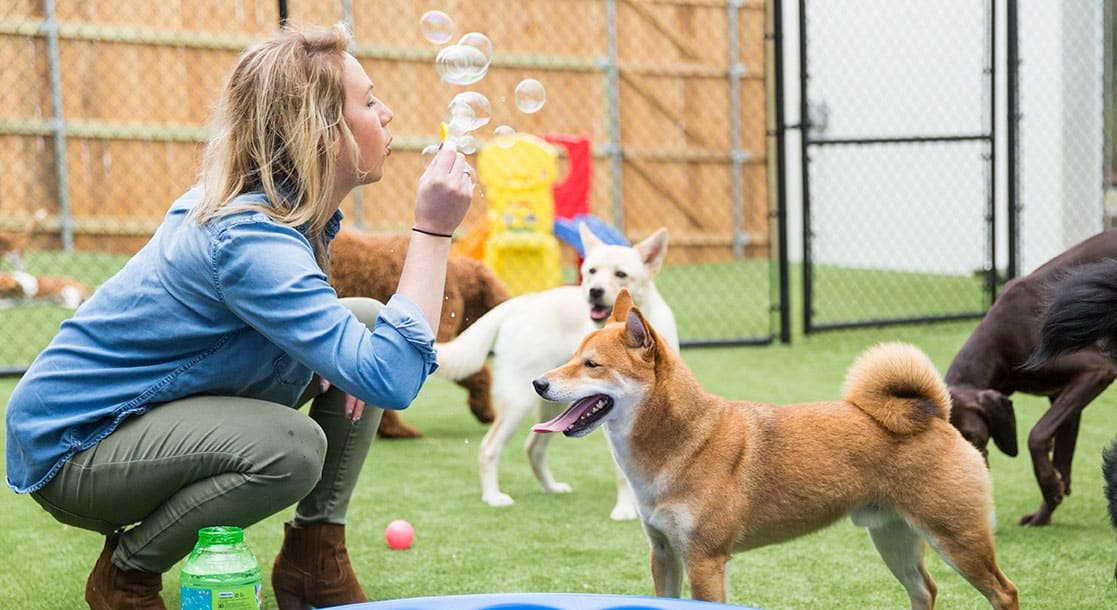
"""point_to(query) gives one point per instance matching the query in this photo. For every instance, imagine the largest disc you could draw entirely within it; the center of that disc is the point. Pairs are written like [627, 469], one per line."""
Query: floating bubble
[469, 110]
[428, 154]
[503, 136]
[461, 65]
[467, 144]
[437, 27]
[478, 41]
[530, 96]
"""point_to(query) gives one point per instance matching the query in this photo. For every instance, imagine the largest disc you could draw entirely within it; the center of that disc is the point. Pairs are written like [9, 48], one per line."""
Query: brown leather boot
[313, 569]
[110, 588]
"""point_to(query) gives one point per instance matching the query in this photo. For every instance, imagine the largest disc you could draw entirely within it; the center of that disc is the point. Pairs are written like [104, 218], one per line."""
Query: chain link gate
[898, 158]
[103, 107]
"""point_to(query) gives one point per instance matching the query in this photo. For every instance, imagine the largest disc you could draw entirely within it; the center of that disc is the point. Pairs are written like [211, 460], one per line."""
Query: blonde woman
[165, 404]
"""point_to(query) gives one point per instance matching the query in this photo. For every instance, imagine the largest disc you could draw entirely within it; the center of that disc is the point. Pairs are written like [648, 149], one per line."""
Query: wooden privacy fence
[103, 105]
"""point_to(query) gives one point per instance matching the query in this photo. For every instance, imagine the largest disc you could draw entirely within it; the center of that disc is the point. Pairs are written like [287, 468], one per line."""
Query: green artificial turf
[566, 543]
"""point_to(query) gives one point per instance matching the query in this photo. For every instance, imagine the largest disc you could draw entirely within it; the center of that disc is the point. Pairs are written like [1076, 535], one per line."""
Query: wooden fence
[103, 107]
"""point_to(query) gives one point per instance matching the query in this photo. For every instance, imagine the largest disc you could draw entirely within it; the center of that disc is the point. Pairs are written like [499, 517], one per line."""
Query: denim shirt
[235, 307]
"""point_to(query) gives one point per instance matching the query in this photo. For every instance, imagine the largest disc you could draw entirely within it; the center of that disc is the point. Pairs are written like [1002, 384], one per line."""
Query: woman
[163, 404]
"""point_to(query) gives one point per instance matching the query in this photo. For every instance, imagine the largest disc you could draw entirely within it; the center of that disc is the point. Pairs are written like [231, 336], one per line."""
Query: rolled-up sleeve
[410, 323]
[268, 277]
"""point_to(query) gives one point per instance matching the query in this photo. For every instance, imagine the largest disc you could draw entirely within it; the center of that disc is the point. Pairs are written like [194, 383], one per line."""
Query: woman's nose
[386, 114]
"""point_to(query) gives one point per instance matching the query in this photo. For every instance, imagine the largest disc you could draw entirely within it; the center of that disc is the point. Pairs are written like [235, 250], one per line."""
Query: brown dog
[369, 265]
[713, 476]
[988, 369]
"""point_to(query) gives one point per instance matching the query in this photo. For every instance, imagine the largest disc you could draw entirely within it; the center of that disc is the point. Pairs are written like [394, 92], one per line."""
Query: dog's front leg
[667, 565]
[707, 577]
[1058, 419]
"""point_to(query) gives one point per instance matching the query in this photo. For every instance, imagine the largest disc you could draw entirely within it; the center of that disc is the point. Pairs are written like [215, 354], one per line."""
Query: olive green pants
[214, 460]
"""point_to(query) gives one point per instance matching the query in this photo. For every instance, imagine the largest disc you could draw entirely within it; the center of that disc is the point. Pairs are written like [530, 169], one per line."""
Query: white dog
[533, 333]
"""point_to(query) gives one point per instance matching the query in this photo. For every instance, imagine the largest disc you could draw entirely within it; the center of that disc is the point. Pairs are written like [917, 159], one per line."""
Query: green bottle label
[235, 597]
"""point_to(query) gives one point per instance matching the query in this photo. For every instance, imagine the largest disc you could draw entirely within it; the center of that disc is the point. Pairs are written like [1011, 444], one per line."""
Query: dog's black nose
[597, 293]
[541, 385]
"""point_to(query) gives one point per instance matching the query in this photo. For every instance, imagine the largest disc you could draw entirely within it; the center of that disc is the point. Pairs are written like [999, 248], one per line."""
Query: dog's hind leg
[966, 543]
[902, 548]
[536, 449]
[479, 386]
[514, 407]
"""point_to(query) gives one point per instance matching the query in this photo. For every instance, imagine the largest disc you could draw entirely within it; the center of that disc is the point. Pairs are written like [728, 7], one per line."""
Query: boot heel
[290, 601]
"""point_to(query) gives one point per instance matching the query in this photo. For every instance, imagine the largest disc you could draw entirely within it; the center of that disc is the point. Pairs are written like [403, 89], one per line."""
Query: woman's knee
[364, 308]
[298, 454]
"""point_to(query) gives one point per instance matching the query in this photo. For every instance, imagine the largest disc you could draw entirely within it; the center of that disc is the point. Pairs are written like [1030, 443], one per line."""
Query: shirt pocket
[289, 371]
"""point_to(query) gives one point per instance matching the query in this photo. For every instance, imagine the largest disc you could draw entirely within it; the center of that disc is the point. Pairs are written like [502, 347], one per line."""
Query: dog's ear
[589, 240]
[637, 333]
[654, 249]
[1001, 417]
[621, 305]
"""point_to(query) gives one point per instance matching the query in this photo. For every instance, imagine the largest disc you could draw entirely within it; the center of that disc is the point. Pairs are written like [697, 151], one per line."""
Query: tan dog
[713, 476]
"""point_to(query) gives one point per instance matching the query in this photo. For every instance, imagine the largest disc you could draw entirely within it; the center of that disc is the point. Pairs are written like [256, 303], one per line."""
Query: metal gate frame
[807, 142]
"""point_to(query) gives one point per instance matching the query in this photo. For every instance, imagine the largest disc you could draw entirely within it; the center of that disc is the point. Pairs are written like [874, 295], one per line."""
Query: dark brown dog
[989, 368]
[369, 265]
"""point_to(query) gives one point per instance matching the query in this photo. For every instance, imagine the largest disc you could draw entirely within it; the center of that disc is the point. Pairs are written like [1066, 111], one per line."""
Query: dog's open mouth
[600, 312]
[581, 418]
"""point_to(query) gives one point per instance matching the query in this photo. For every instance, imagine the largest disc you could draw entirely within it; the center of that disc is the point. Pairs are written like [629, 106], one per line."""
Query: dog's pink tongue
[564, 421]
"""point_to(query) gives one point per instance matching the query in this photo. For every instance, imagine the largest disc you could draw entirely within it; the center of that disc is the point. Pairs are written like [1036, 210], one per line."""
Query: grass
[567, 543]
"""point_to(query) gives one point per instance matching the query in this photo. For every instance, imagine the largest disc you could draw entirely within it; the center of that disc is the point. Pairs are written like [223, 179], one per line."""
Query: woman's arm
[443, 197]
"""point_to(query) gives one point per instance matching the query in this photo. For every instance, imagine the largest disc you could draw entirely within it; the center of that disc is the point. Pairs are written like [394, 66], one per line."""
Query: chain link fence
[103, 109]
[897, 161]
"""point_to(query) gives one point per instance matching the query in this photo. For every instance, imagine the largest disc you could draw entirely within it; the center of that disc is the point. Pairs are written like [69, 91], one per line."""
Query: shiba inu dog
[531, 333]
[713, 477]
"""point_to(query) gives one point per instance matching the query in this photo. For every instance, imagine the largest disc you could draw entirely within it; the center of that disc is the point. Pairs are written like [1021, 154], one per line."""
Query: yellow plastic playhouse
[517, 173]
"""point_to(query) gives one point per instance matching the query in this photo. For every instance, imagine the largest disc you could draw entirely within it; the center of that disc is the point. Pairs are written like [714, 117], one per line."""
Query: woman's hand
[354, 407]
[445, 191]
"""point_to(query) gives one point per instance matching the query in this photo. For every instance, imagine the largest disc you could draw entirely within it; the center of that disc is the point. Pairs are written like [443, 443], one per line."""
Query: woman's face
[368, 119]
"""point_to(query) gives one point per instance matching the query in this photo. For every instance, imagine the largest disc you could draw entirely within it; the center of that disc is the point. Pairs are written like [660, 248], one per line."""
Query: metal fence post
[612, 98]
[58, 127]
[736, 155]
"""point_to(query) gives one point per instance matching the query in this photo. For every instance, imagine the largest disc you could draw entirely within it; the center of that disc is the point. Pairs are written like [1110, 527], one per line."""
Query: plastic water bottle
[220, 573]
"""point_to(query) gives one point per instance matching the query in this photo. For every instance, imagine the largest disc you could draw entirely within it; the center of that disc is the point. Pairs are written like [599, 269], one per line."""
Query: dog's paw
[498, 499]
[557, 488]
[625, 512]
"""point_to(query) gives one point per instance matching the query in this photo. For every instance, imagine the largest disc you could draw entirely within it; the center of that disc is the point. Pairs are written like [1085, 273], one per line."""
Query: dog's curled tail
[467, 353]
[897, 385]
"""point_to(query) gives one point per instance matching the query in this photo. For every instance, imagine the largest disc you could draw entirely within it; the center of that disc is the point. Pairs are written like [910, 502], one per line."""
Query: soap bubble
[530, 96]
[504, 136]
[428, 154]
[461, 65]
[437, 27]
[466, 62]
[469, 110]
[467, 144]
[478, 41]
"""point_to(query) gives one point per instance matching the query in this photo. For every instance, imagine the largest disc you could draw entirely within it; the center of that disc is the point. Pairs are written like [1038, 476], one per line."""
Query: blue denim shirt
[235, 307]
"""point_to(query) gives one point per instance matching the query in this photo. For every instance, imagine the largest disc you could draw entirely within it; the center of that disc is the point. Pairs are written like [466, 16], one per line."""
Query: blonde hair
[278, 128]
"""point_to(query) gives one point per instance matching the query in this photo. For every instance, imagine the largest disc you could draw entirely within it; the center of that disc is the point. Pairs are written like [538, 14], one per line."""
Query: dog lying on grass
[713, 476]
[369, 265]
